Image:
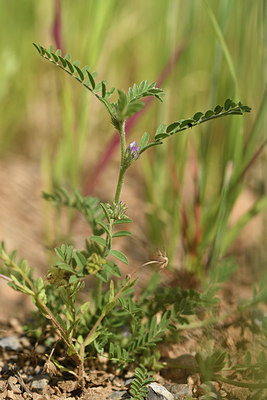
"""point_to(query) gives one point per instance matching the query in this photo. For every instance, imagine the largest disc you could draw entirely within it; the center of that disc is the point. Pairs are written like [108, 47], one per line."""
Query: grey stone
[179, 391]
[12, 385]
[158, 392]
[128, 382]
[178, 369]
[10, 343]
[39, 383]
[118, 395]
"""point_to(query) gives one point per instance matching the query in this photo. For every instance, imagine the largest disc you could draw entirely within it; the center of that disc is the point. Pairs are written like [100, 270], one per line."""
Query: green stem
[249, 385]
[121, 131]
[92, 331]
[215, 320]
[39, 303]
[122, 166]
[222, 219]
[98, 292]
[207, 322]
[119, 184]
[217, 377]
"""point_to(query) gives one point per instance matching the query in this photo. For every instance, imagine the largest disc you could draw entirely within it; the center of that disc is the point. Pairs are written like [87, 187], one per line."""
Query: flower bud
[132, 153]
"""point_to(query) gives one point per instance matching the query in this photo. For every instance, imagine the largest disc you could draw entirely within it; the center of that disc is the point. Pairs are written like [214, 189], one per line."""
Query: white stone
[158, 392]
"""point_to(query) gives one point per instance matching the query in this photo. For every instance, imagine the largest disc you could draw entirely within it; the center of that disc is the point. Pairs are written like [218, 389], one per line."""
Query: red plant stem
[90, 184]
[197, 206]
[198, 231]
[6, 278]
[184, 219]
[56, 31]
[251, 162]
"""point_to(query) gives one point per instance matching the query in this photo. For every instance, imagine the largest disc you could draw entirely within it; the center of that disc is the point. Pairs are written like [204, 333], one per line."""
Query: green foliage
[129, 105]
[210, 364]
[142, 378]
[163, 131]
[253, 374]
[229, 108]
[88, 206]
[218, 274]
[147, 335]
[125, 105]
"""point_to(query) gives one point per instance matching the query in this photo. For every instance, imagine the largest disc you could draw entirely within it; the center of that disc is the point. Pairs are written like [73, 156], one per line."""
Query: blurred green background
[47, 117]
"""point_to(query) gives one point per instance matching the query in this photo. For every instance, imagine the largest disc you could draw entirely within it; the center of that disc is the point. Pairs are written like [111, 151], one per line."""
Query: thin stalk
[224, 46]
[56, 28]
[214, 320]
[197, 204]
[119, 184]
[232, 233]
[109, 239]
[6, 278]
[251, 161]
[249, 385]
[204, 323]
[122, 166]
[104, 159]
[45, 310]
[99, 286]
[217, 377]
[256, 131]
[222, 219]
[130, 279]
[93, 330]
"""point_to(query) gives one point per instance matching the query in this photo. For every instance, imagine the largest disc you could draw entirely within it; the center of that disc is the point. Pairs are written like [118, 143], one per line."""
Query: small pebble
[40, 349]
[10, 343]
[9, 395]
[25, 342]
[128, 382]
[12, 379]
[179, 391]
[12, 385]
[16, 325]
[172, 371]
[118, 395]
[158, 392]
[2, 386]
[39, 383]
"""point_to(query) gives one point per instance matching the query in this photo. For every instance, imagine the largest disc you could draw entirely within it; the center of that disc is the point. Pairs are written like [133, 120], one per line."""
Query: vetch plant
[110, 323]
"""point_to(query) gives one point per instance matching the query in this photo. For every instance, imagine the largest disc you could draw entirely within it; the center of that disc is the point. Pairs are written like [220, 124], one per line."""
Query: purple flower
[133, 150]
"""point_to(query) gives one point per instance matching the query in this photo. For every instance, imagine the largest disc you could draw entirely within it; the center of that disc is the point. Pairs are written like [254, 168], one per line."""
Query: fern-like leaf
[143, 90]
[142, 378]
[229, 108]
[82, 75]
[124, 107]
[146, 336]
[88, 206]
